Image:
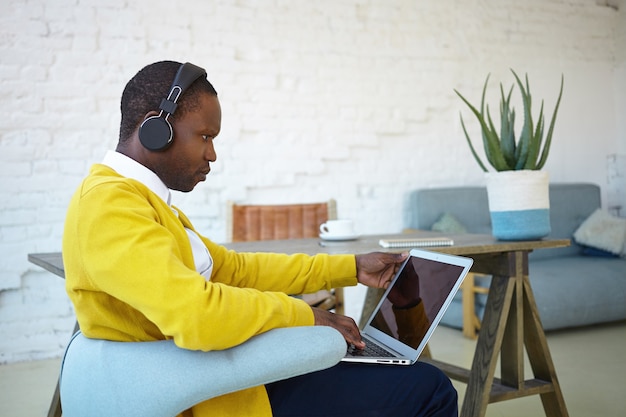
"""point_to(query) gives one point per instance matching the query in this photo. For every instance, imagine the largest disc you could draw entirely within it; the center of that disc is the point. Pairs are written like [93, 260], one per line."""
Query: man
[137, 270]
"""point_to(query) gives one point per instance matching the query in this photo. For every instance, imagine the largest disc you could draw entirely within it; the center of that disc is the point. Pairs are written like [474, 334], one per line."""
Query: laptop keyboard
[371, 350]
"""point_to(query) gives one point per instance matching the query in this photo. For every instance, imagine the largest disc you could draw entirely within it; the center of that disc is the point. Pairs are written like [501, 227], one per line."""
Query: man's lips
[204, 173]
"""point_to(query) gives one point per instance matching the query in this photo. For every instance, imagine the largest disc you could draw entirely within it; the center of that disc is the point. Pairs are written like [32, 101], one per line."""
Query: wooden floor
[590, 363]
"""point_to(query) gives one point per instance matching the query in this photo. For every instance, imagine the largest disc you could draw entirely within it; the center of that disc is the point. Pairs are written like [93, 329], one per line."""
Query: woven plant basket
[519, 204]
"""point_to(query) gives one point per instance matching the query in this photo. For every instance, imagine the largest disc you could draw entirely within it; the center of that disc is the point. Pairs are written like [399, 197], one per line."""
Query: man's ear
[149, 115]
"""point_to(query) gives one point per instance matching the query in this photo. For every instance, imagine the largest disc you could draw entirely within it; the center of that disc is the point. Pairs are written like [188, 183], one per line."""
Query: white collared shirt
[130, 168]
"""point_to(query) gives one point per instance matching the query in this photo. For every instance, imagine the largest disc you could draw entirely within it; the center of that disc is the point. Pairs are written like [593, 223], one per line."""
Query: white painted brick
[16, 217]
[12, 233]
[8, 280]
[15, 168]
[18, 143]
[30, 27]
[33, 73]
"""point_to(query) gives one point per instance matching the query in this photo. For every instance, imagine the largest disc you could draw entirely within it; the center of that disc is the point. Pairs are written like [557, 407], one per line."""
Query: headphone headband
[186, 75]
[156, 133]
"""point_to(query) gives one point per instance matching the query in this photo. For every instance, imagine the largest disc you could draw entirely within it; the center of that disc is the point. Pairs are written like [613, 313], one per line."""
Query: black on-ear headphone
[156, 133]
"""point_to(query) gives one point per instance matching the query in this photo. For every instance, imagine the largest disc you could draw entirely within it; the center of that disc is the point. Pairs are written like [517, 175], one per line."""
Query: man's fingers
[345, 325]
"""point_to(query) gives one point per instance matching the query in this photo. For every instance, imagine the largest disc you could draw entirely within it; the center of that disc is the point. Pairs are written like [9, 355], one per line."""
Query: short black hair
[144, 92]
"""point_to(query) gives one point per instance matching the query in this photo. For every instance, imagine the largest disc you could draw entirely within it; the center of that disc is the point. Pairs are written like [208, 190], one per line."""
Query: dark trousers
[364, 390]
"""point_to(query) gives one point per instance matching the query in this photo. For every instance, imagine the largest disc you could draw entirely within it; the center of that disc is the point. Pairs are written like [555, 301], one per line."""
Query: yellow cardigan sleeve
[130, 274]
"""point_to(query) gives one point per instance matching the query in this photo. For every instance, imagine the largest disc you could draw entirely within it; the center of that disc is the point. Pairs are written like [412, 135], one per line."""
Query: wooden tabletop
[464, 244]
[52, 262]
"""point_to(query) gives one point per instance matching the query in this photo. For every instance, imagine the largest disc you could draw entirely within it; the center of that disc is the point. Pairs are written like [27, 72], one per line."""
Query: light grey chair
[145, 379]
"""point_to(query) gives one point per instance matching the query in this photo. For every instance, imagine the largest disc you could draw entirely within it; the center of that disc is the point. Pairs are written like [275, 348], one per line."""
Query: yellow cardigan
[131, 276]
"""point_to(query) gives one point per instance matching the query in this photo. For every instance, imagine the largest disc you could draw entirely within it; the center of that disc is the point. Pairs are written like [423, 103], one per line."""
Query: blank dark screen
[415, 299]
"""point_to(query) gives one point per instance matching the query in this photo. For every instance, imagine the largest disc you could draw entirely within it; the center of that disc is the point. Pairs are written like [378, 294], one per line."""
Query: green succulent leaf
[503, 152]
[469, 142]
[497, 151]
[526, 144]
[546, 146]
[537, 138]
[490, 139]
[507, 124]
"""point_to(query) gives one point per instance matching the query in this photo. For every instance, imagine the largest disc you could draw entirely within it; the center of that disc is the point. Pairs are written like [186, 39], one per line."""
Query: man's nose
[209, 153]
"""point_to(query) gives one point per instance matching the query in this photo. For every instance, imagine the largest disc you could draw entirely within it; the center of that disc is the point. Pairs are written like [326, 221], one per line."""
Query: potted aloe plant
[518, 190]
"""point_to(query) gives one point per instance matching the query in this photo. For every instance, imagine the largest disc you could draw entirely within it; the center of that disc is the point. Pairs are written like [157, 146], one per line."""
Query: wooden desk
[510, 323]
[511, 320]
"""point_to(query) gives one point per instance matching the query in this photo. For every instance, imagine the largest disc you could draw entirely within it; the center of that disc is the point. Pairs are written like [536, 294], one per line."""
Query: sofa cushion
[577, 290]
[467, 204]
[447, 223]
[602, 231]
[570, 205]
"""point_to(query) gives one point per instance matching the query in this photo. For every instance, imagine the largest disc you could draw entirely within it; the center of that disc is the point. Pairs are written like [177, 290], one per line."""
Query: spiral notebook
[425, 242]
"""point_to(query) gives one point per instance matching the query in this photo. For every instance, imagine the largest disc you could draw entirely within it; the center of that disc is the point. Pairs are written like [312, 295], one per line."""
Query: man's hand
[377, 269]
[345, 325]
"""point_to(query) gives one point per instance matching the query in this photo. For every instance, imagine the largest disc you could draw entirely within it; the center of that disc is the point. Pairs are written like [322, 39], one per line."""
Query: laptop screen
[416, 299]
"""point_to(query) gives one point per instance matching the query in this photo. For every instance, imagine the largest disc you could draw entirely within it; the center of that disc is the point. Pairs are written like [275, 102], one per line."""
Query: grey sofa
[571, 288]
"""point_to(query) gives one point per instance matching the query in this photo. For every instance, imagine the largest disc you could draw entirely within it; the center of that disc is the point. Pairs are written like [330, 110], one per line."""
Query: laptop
[403, 321]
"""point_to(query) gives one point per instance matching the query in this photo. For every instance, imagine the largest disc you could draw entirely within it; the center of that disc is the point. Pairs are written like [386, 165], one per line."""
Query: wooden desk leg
[55, 404]
[469, 309]
[511, 321]
[539, 356]
[512, 350]
[488, 347]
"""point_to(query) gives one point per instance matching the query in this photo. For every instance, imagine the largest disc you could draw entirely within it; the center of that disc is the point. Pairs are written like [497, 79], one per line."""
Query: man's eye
[205, 137]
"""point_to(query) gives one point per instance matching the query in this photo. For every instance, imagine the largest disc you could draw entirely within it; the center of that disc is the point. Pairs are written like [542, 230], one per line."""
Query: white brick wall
[334, 98]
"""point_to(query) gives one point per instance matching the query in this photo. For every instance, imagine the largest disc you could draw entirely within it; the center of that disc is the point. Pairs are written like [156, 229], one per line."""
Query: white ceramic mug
[337, 228]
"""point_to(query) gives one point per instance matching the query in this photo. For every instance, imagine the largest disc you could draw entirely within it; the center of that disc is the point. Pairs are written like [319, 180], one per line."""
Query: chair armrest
[104, 378]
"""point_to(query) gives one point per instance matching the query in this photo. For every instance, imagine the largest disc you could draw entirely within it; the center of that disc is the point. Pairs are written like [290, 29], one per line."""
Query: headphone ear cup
[155, 133]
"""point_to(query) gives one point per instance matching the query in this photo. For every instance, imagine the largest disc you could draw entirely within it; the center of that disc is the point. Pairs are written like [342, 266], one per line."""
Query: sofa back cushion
[570, 205]
[468, 205]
